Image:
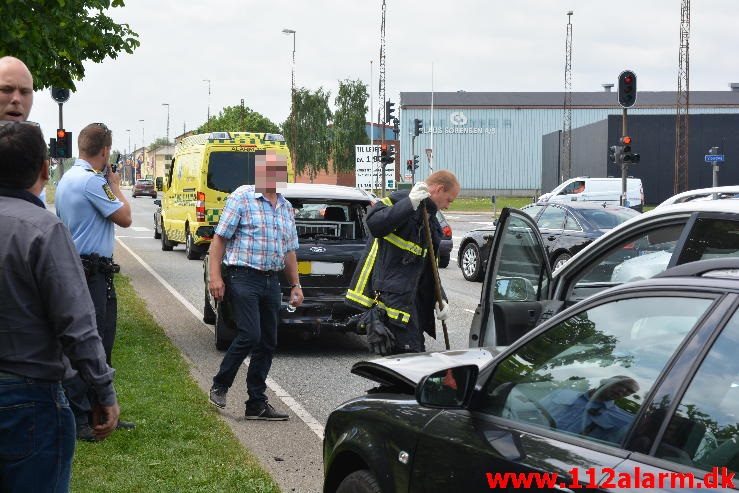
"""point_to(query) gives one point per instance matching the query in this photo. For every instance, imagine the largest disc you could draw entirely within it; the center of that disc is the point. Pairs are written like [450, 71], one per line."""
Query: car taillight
[630, 246]
[200, 207]
[447, 230]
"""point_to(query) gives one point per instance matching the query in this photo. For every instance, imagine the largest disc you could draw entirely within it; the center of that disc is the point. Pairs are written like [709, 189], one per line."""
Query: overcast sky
[474, 45]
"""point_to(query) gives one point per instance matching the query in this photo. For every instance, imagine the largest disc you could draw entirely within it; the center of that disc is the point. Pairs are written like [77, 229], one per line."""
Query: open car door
[515, 290]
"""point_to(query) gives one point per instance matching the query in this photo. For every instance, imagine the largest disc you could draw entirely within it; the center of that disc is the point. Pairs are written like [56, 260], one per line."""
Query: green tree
[349, 123]
[54, 37]
[238, 119]
[307, 131]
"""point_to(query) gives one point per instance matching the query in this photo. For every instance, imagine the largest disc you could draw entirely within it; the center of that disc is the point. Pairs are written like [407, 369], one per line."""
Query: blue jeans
[255, 305]
[37, 435]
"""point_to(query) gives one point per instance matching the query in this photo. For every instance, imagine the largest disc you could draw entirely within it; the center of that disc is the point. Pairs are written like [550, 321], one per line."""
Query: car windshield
[227, 171]
[607, 218]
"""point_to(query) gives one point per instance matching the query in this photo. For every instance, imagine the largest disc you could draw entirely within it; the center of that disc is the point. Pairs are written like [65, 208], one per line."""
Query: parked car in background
[717, 193]
[520, 291]
[639, 380]
[608, 190]
[332, 236]
[567, 228]
[144, 187]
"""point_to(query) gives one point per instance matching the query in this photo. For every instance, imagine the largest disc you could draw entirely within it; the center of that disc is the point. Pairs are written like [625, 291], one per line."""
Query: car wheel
[192, 250]
[166, 244]
[157, 234]
[362, 481]
[471, 262]
[220, 331]
[209, 315]
[133, 196]
[560, 260]
[444, 261]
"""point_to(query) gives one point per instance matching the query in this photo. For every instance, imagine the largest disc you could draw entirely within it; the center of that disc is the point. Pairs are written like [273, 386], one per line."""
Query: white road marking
[489, 223]
[468, 310]
[140, 228]
[134, 237]
[281, 394]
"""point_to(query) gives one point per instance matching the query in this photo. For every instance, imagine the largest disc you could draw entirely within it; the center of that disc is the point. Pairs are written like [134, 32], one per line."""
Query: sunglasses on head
[104, 127]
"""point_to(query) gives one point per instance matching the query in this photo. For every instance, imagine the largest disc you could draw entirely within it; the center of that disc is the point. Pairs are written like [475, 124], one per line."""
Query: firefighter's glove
[442, 314]
[419, 192]
[380, 338]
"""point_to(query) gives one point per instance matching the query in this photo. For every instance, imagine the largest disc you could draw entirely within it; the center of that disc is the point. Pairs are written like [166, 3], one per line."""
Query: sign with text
[714, 158]
[369, 169]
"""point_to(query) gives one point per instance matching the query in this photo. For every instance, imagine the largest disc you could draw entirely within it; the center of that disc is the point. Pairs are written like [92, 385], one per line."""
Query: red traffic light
[61, 133]
[626, 140]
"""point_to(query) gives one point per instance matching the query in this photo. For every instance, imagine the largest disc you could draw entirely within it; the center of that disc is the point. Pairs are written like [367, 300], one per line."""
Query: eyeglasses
[104, 127]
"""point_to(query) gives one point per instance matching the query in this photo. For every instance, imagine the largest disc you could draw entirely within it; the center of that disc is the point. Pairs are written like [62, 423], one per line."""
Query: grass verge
[483, 204]
[179, 443]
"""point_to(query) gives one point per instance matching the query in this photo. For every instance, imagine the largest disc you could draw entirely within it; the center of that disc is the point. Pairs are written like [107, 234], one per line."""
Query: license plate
[320, 268]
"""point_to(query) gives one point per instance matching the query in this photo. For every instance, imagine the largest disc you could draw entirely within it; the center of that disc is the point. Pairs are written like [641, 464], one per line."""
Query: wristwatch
[296, 286]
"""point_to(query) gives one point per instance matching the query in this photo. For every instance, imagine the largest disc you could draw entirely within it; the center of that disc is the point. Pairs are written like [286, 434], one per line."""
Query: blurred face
[618, 390]
[270, 172]
[16, 90]
[442, 197]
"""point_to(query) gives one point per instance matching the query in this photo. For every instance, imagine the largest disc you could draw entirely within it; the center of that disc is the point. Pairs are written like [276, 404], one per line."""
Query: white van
[588, 189]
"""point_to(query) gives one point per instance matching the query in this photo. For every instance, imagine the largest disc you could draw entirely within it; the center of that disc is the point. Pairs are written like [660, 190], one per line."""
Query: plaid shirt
[257, 234]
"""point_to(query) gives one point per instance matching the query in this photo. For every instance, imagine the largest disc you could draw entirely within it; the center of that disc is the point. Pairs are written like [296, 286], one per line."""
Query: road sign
[369, 169]
[715, 158]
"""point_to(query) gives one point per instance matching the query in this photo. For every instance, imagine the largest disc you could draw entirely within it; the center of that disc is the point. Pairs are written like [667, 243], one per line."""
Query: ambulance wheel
[157, 234]
[191, 249]
[166, 244]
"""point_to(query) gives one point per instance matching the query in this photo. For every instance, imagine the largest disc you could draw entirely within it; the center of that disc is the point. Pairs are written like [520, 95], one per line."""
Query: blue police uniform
[84, 203]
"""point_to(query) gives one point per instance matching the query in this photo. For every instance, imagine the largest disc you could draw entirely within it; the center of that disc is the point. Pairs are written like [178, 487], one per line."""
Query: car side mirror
[159, 183]
[158, 202]
[449, 389]
[514, 289]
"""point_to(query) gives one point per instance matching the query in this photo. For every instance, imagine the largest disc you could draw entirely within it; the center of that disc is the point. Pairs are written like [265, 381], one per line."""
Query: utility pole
[294, 117]
[382, 92]
[128, 154]
[566, 161]
[682, 105]
[207, 122]
[143, 145]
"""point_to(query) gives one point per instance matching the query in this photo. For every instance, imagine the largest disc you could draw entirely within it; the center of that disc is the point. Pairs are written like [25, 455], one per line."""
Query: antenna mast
[683, 101]
[566, 164]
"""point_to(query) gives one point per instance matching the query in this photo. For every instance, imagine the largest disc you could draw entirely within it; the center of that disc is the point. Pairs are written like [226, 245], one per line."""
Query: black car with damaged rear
[332, 234]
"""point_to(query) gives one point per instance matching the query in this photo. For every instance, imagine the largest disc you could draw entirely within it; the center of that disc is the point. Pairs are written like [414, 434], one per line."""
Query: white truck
[607, 190]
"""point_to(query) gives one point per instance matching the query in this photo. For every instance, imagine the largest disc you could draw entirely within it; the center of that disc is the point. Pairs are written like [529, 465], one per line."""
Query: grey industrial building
[493, 140]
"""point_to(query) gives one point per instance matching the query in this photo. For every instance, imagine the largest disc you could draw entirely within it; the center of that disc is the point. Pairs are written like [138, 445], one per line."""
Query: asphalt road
[308, 378]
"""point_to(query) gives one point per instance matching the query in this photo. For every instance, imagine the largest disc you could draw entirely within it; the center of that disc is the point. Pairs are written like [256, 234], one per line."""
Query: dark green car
[636, 381]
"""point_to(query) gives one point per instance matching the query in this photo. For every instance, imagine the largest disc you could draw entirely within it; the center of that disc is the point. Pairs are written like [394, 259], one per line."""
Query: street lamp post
[128, 155]
[143, 143]
[292, 102]
[167, 105]
[207, 122]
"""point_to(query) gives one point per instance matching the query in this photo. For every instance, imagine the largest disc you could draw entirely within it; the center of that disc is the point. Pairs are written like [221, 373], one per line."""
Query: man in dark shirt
[45, 314]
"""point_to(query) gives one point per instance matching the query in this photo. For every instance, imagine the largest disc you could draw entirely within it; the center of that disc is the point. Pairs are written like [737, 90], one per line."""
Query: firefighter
[395, 272]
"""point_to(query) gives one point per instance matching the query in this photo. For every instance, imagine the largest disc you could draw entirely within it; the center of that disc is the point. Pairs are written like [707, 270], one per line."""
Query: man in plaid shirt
[255, 239]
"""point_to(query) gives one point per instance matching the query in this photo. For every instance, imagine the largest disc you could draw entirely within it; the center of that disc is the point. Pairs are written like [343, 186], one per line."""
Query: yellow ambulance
[205, 169]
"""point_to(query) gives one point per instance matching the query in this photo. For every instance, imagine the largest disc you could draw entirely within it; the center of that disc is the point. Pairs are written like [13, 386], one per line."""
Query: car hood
[409, 369]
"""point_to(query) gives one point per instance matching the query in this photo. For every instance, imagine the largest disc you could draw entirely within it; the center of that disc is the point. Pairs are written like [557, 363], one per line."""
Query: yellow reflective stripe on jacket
[409, 246]
[387, 201]
[363, 300]
[369, 263]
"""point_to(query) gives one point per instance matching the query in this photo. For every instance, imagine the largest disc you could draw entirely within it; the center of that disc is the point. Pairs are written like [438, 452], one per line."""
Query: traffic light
[396, 127]
[409, 165]
[415, 162]
[627, 88]
[628, 156]
[390, 155]
[417, 127]
[612, 152]
[383, 153]
[63, 147]
[387, 154]
[389, 110]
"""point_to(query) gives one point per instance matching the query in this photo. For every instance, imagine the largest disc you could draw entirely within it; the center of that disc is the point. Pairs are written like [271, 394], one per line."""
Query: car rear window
[607, 218]
[331, 220]
[227, 171]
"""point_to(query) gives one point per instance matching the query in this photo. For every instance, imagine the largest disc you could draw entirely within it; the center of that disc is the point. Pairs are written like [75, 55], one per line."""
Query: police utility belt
[94, 264]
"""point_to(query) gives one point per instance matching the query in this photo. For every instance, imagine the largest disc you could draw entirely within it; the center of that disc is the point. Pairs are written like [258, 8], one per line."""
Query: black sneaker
[265, 412]
[218, 397]
[125, 425]
[85, 433]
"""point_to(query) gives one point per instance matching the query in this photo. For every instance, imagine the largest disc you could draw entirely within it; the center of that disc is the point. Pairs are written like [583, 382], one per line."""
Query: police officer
[395, 272]
[90, 202]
